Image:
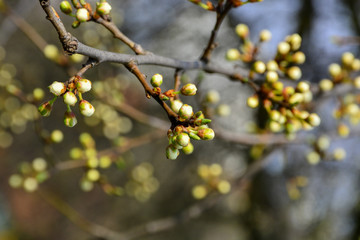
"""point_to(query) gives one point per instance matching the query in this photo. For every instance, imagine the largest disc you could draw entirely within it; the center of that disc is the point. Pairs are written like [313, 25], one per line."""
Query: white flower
[103, 8]
[57, 88]
[83, 85]
[82, 15]
[86, 108]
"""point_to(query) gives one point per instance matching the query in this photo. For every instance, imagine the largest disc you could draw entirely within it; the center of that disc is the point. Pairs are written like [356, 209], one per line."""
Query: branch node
[69, 43]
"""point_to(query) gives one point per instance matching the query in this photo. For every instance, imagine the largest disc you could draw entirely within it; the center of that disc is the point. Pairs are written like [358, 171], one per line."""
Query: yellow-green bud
[274, 115]
[352, 109]
[199, 192]
[57, 88]
[30, 184]
[272, 76]
[339, 154]
[335, 69]
[265, 35]
[15, 181]
[326, 85]
[314, 120]
[39, 164]
[279, 86]
[242, 30]
[213, 96]
[70, 119]
[171, 152]
[272, 65]
[186, 111]
[83, 85]
[83, 15]
[69, 98]
[323, 142]
[357, 82]
[51, 52]
[86, 108]
[183, 139]
[298, 57]
[275, 126]
[303, 87]
[355, 65]
[294, 73]
[93, 175]
[347, 59]
[343, 130]
[38, 94]
[156, 80]
[223, 110]
[188, 90]
[56, 136]
[65, 7]
[313, 158]
[176, 105]
[206, 134]
[253, 101]
[259, 67]
[295, 41]
[223, 187]
[105, 162]
[188, 149]
[283, 48]
[103, 8]
[233, 54]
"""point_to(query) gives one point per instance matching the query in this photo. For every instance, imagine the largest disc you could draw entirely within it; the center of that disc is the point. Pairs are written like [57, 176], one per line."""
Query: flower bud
[206, 134]
[323, 142]
[283, 48]
[296, 98]
[83, 15]
[176, 105]
[183, 139]
[335, 70]
[343, 130]
[314, 120]
[294, 73]
[295, 41]
[277, 86]
[242, 30]
[156, 80]
[75, 24]
[103, 8]
[233, 54]
[188, 90]
[339, 154]
[83, 85]
[274, 115]
[357, 82]
[272, 76]
[86, 108]
[188, 149]
[313, 158]
[253, 101]
[30, 184]
[56, 136]
[275, 126]
[213, 96]
[223, 110]
[39, 164]
[51, 52]
[265, 35]
[93, 175]
[259, 67]
[347, 59]
[355, 65]
[45, 109]
[70, 98]
[326, 85]
[57, 88]
[65, 7]
[303, 87]
[70, 119]
[171, 152]
[272, 65]
[298, 57]
[194, 136]
[186, 111]
[38, 94]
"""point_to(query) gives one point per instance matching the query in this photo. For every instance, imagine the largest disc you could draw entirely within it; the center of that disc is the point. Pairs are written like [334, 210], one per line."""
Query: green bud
[56, 136]
[176, 105]
[171, 152]
[296, 98]
[156, 80]
[188, 90]
[188, 149]
[65, 7]
[314, 120]
[103, 8]
[206, 134]
[242, 30]
[83, 15]
[272, 76]
[212, 96]
[70, 119]
[199, 115]
[259, 67]
[83, 85]
[233, 54]
[86, 108]
[75, 24]
[303, 87]
[294, 73]
[265, 35]
[194, 136]
[183, 139]
[253, 101]
[45, 109]
[70, 98]
[186, 111]
[199, 122]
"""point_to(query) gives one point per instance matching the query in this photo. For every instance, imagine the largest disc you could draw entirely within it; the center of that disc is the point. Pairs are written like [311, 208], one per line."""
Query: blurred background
[143, 195]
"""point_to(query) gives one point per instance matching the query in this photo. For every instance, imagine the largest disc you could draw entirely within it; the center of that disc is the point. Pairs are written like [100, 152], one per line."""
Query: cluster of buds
[321, 151]
[247, 50]
[342, 73]
[294, 185]
[94, 161]
[180, 136]
[281, 104]
[30, 176]
[84, 11]
[213, 181]
[76, 86]
[142, 183]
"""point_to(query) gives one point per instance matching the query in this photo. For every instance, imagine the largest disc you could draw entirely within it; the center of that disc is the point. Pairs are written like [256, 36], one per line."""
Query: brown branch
[177, 81]
[133, 68]
[119, 35]
[211, 43]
